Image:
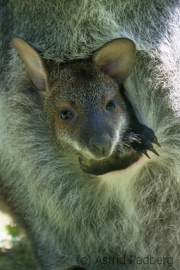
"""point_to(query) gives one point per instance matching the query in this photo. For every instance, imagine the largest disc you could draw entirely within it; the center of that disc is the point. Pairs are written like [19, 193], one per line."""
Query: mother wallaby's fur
[127, 219]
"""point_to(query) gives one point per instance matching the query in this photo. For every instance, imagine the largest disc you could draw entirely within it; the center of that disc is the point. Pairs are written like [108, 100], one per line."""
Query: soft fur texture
[67, 213]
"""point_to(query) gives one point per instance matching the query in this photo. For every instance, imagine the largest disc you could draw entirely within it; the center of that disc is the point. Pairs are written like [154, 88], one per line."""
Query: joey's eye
[111, 105]
[66, 114]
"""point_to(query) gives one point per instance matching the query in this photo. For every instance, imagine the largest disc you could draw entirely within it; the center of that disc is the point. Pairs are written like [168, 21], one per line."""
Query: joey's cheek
[67, 130]
[63, 126]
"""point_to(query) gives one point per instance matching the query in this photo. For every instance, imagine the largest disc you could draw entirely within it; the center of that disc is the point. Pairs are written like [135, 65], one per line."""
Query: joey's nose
[101, 145]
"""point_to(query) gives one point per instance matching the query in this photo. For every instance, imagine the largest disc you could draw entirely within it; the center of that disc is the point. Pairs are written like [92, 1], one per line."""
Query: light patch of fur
[69, 212]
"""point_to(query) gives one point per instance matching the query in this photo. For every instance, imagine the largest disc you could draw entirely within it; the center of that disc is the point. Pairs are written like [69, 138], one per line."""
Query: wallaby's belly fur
[73, 217]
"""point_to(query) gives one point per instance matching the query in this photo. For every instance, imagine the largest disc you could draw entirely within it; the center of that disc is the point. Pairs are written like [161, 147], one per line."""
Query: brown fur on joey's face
[85, 110]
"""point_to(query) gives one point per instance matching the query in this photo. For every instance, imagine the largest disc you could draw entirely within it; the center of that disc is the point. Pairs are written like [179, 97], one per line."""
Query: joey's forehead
[81, 82]
[86, 77]
[92, 92]
[75, 89]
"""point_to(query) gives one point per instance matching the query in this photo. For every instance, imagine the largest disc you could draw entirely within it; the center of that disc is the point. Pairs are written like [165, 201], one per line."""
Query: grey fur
[66, 212]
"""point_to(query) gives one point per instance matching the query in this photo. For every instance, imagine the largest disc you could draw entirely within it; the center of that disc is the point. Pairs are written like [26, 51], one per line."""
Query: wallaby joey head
[87, 114]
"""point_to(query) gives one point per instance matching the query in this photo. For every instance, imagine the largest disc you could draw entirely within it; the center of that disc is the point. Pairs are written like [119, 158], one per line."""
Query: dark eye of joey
[66, 114]
[111, 105]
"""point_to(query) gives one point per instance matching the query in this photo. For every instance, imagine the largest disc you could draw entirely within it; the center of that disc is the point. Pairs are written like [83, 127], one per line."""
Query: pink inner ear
[116, 59]
[114, 71]
[110, 68]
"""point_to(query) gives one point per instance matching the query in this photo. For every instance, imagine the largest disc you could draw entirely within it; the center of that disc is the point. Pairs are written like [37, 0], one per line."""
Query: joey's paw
[141, 139]
[147, 138]
[128, 139]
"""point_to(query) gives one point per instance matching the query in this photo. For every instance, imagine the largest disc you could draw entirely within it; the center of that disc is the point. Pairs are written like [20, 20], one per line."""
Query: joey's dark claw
[145, 152]
[141, 138]
[156, 142]
[146, 145]
[154, 151]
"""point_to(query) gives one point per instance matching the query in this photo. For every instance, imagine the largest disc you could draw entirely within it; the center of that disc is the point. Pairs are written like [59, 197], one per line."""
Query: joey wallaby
[84, 109]
[85, 203]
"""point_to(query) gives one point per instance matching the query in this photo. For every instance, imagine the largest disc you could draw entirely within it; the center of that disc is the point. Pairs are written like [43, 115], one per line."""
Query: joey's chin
[101, 155]
[86, 161]
[95, 156]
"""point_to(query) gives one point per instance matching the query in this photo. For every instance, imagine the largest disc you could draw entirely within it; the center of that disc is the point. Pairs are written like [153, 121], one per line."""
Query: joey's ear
[116, 58]
[33, 62]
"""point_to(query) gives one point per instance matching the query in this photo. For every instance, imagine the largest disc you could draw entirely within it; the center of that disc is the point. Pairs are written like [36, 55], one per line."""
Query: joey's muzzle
[101, 146]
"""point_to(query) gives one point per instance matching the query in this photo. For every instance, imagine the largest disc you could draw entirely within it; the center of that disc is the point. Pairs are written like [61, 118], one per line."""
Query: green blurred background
[15, 250]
